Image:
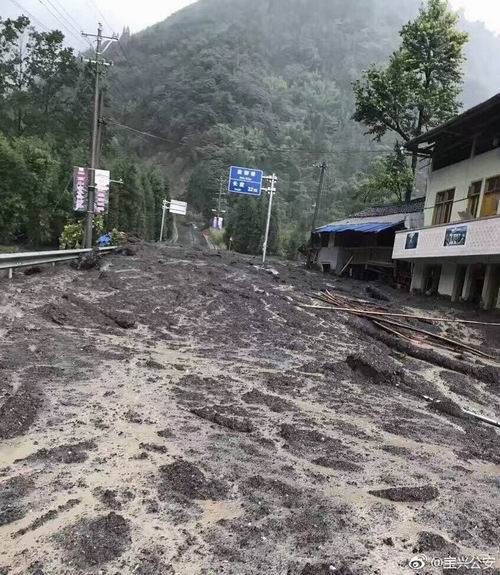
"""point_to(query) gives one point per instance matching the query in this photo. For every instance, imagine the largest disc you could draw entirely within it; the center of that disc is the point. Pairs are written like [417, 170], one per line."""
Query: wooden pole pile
[400, 328]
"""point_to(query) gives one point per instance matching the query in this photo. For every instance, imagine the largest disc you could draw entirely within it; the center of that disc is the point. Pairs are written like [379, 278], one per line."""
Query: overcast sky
[84, 14]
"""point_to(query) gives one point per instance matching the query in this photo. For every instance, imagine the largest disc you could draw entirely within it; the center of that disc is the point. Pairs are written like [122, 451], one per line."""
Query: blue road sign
[246, 181]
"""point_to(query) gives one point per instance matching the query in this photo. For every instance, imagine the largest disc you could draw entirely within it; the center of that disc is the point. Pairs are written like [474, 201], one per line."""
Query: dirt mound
[12, 493]
[274, 489]
[112, 498]
[306, 441]
[428, 541]
[374, 366]
[274, 403]
[71, 453]
[213, 414]
[92, 542]
[88, 261]
[337, 464]
[18, 411]
[150, 562]
[185, 479]
[407, 494]
[49, 516]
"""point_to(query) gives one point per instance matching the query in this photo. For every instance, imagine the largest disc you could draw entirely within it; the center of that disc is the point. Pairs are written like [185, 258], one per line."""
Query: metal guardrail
[26, 259]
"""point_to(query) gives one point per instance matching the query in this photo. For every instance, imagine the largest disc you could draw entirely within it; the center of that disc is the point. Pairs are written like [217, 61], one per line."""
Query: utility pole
[272, 189]
[99, 51]
[218, 211]
[323, 168]
[164, 209]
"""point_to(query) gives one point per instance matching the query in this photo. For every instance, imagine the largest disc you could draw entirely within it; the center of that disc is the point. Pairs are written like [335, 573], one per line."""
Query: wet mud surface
[177, 413]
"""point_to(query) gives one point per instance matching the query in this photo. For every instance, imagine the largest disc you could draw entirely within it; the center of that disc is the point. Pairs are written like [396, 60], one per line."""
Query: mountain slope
[267, 83]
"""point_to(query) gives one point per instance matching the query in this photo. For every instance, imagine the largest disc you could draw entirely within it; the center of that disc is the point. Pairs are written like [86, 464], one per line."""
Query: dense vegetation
[45, 112]
[267, 83]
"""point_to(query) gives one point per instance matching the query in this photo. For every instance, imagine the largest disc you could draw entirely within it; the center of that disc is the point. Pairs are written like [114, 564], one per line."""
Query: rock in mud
[185, 479]
[428, 541]
[96, 541]
[407, 494]
[448, 407]
[374, 366]
[88, 261]
[240, 424]
[337, 464]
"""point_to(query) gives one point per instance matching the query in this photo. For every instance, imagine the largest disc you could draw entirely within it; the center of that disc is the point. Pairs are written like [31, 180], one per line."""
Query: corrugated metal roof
[416, 205]
[367, 228]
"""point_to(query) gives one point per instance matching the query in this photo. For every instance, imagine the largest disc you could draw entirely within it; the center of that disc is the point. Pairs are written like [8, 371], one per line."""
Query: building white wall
[460, 176]
[483, 240]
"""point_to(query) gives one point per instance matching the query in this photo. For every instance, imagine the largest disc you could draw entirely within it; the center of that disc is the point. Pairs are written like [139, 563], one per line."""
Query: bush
[72, 235]
[217, 238]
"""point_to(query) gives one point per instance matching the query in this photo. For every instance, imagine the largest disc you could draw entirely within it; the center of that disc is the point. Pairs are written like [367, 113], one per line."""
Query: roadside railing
[27, 259]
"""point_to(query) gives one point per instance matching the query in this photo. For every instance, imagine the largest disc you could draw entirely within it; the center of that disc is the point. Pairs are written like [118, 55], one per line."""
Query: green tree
[388, 179]
[37, 74]
[420, 86]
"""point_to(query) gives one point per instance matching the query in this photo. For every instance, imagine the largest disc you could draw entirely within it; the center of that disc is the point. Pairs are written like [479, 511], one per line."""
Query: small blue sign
[246, 181]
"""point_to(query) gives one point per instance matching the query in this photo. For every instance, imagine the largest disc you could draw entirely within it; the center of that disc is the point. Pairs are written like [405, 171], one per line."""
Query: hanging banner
[80, 189]
[101, 203]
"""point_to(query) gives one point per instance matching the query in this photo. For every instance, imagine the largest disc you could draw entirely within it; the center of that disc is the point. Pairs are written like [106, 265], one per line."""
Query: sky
[80, 15]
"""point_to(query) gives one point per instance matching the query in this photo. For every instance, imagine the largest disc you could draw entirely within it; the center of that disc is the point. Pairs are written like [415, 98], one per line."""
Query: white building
[457, 251]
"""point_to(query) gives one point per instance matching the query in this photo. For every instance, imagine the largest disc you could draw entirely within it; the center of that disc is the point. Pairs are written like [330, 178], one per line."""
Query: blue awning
[369, 228]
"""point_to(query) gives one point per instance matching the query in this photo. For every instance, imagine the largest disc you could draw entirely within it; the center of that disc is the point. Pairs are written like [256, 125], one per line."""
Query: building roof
[366, 228]
[375, 218]
[411, 207]
[462, 125]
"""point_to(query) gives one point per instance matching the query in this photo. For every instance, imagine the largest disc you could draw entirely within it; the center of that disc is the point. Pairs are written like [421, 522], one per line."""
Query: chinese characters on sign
[80, 186]
[246, 181]
[101, 202]
[81, 179]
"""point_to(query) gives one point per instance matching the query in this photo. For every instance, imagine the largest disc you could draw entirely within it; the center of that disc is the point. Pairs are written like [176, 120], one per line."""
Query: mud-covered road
[177, 412]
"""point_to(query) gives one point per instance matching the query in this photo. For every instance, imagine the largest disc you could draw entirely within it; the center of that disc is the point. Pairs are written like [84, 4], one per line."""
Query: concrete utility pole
[272, 189]
[218, 211]
[164, 210]
[94, 152]
[323, 168]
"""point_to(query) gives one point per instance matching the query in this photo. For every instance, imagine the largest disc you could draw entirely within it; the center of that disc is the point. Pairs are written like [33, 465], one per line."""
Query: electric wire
[58, 19]
[275, 149]
[33, 18]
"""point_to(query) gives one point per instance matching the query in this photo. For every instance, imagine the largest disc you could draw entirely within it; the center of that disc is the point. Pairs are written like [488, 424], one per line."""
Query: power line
[317, 152]
[101, 15]
[60, 21]
[33, 18]
[125, 127]
[69, 19]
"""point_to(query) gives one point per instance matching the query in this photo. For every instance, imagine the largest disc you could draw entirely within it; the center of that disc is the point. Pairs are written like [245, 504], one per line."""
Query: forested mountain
[266, 83]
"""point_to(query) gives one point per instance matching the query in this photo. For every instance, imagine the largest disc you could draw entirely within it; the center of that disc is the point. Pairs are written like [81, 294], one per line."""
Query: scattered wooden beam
[403, 315]
[450, 342]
